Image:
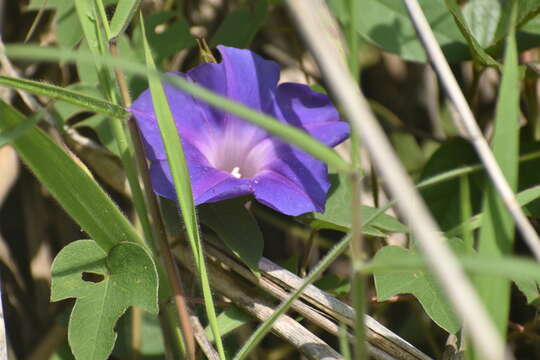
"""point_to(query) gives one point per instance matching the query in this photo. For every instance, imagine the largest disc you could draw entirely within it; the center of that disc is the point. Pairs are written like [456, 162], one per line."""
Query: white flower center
[236, 172]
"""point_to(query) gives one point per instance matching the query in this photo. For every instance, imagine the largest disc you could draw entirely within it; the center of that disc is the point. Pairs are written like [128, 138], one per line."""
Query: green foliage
[182, 184]
[70, 95]
[126, 276]
[241, 25]
[386, 24]
[497, 231]
[337, 215]
[229, 320]
[419, 282]
[125, 9]
[74, 189]
[478, 52]
[237, 228]
[442, 198]
[163, 42]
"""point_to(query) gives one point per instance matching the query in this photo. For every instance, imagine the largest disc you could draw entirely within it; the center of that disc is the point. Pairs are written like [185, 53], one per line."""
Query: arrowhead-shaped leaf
[419, 283]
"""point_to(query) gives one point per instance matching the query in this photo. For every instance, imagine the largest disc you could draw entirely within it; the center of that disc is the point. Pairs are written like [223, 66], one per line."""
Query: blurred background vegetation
[404, 93]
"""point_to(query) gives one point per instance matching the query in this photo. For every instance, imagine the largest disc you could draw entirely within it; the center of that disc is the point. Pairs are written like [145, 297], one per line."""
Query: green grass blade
[90, 14]
[9, 136]
[73, 97]
[72, 187]
[286, 132]
[182, 184]
[506, 267]
[497, 230]
[125, 9]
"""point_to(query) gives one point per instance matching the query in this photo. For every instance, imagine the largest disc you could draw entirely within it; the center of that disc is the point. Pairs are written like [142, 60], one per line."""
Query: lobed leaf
[125, 276]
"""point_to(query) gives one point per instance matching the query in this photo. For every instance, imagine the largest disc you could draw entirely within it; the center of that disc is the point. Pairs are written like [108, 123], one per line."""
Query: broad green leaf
[165, 36]
[420, 283]
[125, 9]
[529, 289]
[100, 124]
[409, 151]
[478, 53]
[482, 18]
[235, 226]
[337, 215]
[73, 188]
[229, 320]
[73, 97]
[124, 277]
[69, 31]
[386, 24]
[443, 199]
[240, 26]
[497, 230]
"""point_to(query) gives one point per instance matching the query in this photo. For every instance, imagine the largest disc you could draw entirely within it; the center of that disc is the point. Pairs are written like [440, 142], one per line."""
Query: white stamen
[236, 172]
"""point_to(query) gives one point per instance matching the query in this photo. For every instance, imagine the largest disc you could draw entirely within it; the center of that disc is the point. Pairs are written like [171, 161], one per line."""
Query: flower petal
[298, 105]
[208, 183]
[194, 122]
[294, 183]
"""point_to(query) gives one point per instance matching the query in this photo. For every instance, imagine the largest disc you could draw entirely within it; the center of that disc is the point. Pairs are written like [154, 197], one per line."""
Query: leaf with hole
[105, 285]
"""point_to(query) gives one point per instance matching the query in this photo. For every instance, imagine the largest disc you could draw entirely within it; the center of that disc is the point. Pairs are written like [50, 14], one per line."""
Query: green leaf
[337, 215]
[165, 37]
[69, 31]
[151, 346]
[523, 198]
[100, 124]
[529, 288]
[386, 24]
[443, 199]
[497, 231]
[235, 225]
[479, 54]
[124, 277]
[420, 283]
[229, 320]
[70, 96]
[182, 184]
[409, 151]
[122, 16]
[240, 26]
[72, 187]
[482, 18]
[9, 136]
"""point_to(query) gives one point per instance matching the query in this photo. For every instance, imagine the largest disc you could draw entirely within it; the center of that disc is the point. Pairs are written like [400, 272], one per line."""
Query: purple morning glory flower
[228, 157]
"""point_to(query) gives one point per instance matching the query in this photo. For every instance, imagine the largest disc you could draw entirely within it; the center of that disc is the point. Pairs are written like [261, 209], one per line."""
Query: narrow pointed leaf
[73, 97]
[73, 188]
